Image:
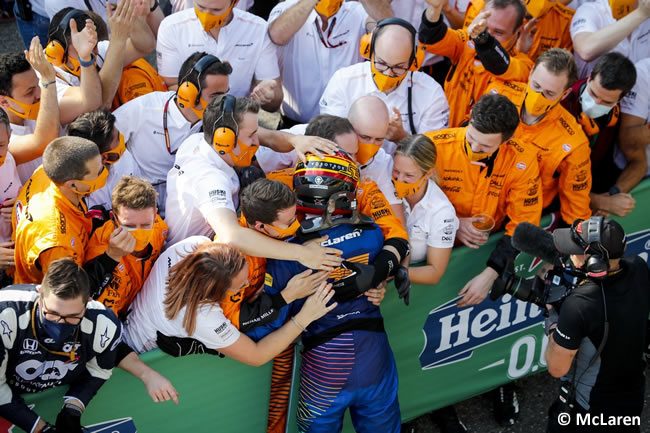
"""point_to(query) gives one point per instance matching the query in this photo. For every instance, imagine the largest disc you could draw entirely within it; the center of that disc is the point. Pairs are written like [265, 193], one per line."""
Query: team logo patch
[521, 165]
[566, 147]
[470, 44]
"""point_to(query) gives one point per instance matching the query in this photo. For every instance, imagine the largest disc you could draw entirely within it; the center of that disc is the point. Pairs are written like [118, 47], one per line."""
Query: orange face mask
[30, 111]
[385, 82]
[537, 8]
[620, 8]
[284, 233]
[209, 21]
[94, 184]
[114, 155]
[475, 156]
[366, 152]
[536, 103]
[246, 154]
[142, 237]
[327, 8]
[76, 66]
[403, 189]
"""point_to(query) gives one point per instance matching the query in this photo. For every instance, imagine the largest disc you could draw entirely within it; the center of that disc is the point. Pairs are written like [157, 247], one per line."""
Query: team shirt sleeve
[213, 192]
[168, 59]
[637, 101]
[213, 329]
[443, 225]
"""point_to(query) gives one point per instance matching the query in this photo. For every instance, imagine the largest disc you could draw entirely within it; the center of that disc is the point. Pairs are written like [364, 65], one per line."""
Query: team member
[203, 188]
[134, 209]
[174, 304]
[416, 102]
[597, 340]
[320, 36]
[24, 102]
[53, 222]
[9, 188]
[634, 134]
[594, 102]
[478, 54]
[231, 34]
[564, 163]
[599, 27]
[49, 338]
[483, 170]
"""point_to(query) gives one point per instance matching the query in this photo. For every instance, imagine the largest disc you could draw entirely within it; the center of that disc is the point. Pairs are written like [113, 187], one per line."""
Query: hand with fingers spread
[470, 235]
[304, 144]
[314, 256]
[303, 285]
[477, 289]
[479, 25]
[36, 57]
[120, 244]
[121, 21]
[316, 306]
[264, 91]
[525, 41]
[396, 130]
[7, 255]
[84, 41]
[6, 210]
[159, 387]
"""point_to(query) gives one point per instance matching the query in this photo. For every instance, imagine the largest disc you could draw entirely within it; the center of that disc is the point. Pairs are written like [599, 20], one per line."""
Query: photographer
[597, 339]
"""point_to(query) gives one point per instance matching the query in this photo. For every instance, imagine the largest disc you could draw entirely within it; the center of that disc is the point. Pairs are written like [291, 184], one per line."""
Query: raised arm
[29, 147]
[287, 23]
[378, 9]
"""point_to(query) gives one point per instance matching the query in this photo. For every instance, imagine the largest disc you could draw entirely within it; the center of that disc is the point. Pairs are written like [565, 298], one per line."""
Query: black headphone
[597, 265]
[415, 61]
[189, 91]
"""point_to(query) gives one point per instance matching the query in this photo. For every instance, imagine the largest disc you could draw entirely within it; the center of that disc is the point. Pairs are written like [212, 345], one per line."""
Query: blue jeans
[36, 27]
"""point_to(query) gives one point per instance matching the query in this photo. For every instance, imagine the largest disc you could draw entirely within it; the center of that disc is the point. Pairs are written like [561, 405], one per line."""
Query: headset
[597, 265]
[57, 47]
[189, 91]
[224, 137]
[367, 45]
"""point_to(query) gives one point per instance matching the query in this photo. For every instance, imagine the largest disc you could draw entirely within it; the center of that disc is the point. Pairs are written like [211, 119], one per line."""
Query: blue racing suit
[347, 361]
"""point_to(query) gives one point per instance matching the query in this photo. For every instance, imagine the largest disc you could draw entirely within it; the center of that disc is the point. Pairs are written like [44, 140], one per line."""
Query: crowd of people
[144, 206]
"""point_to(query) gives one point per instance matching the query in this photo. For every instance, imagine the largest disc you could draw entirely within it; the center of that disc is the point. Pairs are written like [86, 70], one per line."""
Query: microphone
[530, 239]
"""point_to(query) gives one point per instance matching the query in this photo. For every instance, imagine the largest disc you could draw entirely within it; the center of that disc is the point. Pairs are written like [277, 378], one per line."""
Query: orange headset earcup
[588, 125]
[55, 52]
[224, 140]
[364, 46]
[615, 114]
[187, 94]
[420, 53]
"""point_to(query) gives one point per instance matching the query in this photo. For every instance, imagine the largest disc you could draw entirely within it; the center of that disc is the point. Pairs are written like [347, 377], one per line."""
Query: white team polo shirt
[431, 223]
[430, 106]
[141, 123]
[637, 103]
[593, 16]
[97, 6]
[125, 166]
[147, 312]
[307, 64]
[244, 43]
[9, 187]
[269, 160]
[199, 182]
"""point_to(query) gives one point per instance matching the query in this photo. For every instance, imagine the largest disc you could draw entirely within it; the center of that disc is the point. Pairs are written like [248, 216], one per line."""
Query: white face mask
[591, 108]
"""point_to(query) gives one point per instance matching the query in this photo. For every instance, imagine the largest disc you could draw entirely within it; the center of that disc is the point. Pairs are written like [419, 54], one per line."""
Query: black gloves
[403, 283]
[178, 346]
[354, 284]
[69, 419]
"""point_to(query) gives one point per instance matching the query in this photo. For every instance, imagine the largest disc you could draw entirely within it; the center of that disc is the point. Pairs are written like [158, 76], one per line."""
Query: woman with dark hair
[181, 299]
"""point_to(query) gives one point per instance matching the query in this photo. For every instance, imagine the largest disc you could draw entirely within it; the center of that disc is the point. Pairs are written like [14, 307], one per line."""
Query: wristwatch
[155, 5]
[481, 38]
[614, 190]
[45, 84]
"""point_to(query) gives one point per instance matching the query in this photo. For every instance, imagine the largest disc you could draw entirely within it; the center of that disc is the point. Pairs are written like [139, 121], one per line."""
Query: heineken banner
[444, 354]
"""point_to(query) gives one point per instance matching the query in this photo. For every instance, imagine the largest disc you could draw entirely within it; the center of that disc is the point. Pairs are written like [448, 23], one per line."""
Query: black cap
[612, 238]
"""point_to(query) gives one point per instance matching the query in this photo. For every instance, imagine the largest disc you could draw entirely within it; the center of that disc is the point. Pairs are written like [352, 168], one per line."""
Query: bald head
[393, 45]
[369, 117]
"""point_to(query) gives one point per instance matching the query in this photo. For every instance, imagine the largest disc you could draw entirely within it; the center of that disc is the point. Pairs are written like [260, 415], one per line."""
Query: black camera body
[552, 289]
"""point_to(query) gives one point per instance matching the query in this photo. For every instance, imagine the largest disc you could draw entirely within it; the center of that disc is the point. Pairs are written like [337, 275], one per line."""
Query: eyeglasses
[72, 319]
[382, 67]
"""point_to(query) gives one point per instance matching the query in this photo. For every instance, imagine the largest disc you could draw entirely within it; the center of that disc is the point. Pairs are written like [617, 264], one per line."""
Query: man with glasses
[316, 38]
[49, 347]
[416, 102]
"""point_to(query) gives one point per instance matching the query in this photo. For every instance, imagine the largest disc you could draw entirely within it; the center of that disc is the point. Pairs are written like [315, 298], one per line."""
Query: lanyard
[324, 40]
[165, 130]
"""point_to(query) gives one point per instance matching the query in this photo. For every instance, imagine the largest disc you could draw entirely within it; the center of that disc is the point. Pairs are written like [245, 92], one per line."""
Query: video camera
[558, 282]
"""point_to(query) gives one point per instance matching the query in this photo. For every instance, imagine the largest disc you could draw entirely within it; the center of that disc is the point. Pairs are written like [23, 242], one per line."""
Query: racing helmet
[316, 180]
